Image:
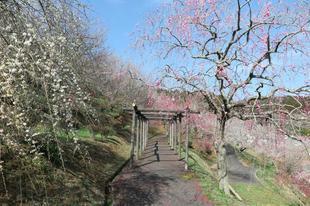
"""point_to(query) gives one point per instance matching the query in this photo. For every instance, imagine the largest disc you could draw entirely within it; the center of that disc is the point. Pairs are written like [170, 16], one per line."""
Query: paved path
[237, 172]
[153, 182]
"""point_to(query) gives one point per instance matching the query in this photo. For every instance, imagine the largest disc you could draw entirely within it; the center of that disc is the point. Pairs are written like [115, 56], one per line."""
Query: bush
[290, 164]
[204, 146]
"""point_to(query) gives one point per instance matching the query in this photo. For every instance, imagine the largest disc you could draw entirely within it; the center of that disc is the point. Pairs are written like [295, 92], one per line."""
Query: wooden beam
[162, 111]
[158, 118]
[157, 113]
[154, 110]
[154, 115]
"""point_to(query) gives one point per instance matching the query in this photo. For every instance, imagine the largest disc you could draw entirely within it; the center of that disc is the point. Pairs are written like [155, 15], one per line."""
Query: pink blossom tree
[239, 55]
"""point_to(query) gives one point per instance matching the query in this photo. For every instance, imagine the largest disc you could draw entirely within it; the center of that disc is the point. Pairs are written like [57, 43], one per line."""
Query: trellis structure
[140, 127]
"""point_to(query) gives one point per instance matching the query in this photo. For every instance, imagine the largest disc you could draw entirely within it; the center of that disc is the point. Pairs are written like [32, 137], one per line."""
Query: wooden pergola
[140, 127]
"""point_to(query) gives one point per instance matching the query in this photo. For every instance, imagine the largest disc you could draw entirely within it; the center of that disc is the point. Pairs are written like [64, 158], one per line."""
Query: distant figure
[156, 151]
[156, 148]
[242, 149]
[157, 157]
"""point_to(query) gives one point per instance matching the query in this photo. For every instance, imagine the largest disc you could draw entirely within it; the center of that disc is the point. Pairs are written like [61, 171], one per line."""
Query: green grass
[266, 192]
[269, 186]
[85, 133]
[208, 181]
[259, 195]
[305, 131]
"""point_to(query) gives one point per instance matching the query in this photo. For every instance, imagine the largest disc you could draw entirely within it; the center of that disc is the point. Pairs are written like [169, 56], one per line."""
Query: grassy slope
[88, 165]
[208, 181]
[267, 192]
[88, 177]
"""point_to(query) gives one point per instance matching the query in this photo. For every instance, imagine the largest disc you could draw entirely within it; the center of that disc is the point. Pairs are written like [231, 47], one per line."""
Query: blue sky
[119, 19]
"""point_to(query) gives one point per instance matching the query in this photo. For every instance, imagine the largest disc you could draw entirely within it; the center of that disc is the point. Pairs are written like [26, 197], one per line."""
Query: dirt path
[153, 182]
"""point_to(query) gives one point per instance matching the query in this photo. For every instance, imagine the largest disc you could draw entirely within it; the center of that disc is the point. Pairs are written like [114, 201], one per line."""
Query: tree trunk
[221, 159]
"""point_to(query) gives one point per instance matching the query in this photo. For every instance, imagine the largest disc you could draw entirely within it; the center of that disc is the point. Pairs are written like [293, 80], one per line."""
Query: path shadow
[155, 180]
[138, 187]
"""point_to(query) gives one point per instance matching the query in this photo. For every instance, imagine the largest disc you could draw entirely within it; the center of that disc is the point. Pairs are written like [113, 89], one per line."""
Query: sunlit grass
[266, 192]
[85, 133]
[208, 182]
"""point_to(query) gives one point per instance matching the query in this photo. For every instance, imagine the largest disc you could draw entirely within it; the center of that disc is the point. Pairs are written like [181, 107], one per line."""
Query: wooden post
[172, 134]
[186, 142]
[144, 135]
[166, 127]
[132, 141]
[179, 135]
[169, 134]
[147, 133]
[137, 138]
[175, 134]
[141, 137]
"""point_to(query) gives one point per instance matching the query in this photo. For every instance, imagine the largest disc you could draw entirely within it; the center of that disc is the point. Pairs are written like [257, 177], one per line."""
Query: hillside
[154, 102]
[90, 162]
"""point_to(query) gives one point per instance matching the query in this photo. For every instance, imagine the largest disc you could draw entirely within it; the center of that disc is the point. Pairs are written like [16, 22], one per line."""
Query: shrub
[204, 146]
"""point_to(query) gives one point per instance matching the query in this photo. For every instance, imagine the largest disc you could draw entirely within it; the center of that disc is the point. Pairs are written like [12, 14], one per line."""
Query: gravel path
[153, 182]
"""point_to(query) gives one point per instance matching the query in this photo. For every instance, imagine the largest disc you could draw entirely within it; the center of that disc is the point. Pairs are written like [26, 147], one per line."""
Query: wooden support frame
[140, 129]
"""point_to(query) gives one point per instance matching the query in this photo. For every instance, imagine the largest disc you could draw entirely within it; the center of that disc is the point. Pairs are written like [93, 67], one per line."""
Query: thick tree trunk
[221, 160]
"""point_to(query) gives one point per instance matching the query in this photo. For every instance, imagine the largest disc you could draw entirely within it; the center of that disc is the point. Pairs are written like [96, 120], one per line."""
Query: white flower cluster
[39, 82]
